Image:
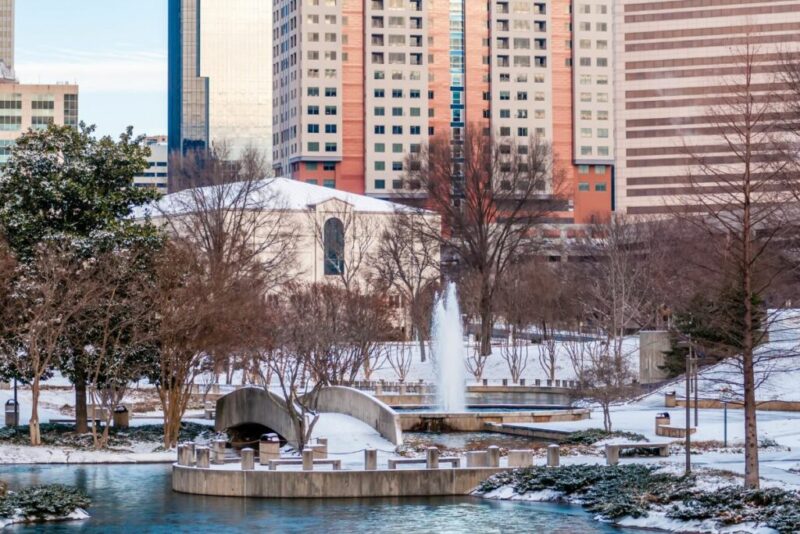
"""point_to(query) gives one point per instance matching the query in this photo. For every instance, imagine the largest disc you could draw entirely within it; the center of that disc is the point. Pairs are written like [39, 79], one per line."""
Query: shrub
[593, 435]
[42, 501]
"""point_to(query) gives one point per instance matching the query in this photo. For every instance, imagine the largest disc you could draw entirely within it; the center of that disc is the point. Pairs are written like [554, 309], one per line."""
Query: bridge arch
[251, 407]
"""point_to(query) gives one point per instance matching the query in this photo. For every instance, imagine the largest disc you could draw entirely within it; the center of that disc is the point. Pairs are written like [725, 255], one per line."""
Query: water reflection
[138, 498]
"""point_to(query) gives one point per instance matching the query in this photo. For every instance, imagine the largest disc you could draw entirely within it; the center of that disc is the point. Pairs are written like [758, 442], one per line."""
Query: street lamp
[689, 359]
[725, 395]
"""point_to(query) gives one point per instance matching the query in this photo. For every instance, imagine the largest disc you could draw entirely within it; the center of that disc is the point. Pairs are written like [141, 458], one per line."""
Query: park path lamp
[725, 394]
[689, 359]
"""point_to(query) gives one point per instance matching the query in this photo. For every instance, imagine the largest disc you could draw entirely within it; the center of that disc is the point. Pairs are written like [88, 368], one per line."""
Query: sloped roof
[285, 194]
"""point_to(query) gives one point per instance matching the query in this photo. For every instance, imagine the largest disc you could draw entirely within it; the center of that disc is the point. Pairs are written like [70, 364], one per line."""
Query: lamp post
[725, 394]
[688, 444]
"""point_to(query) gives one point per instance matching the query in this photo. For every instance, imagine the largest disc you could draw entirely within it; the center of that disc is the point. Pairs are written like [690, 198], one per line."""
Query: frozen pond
[138, 498]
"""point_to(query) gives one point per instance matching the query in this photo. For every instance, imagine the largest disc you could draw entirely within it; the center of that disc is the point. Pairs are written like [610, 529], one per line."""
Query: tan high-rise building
[674, 60]
[30, 106]
[359, 85]
[7, 33]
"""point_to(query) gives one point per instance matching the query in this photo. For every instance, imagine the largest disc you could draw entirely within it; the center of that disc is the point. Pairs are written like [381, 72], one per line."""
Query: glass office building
[220, 74]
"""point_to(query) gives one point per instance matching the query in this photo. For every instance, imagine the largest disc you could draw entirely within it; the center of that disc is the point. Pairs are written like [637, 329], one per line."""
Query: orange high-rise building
[360, 84]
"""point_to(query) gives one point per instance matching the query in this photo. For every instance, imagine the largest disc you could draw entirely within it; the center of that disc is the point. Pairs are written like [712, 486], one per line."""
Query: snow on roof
[286, 194]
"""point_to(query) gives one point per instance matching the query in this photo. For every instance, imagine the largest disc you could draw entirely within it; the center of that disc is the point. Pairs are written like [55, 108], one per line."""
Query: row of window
[380, 111]
[602, 133]
[313, 146]
[380, 129]
[599, 187]
[314, 128]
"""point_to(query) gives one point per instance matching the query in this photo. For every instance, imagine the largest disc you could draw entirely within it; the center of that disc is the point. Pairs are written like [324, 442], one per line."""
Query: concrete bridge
[249, 412]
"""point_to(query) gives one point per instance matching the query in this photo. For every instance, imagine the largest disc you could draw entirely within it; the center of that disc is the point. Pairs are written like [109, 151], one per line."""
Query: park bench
[394, 462]
[612, 451]
[72, 421]
[273, 464]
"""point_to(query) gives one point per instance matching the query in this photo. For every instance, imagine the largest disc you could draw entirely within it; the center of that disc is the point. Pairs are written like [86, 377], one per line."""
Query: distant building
[220, 74]
[26, 106]
[158, 164]
[359, 85]
[7, 38]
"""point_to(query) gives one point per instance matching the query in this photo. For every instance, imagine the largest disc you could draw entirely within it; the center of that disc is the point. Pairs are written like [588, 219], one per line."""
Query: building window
[330, 184]
[329, 166]
[333, 239]
[380, 184]
[582, 186]
[600, 187]
[583, 169]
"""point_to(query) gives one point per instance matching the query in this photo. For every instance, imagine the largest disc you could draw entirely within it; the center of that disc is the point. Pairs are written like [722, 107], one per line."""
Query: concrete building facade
[30, 106]
[220, 75]
[156, 174]
[673, 61]
[359, 85]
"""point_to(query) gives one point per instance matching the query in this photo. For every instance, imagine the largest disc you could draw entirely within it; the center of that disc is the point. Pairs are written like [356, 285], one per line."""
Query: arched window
[333, 238]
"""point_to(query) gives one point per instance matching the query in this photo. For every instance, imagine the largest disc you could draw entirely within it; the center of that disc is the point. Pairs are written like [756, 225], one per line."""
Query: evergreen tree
[62, 183]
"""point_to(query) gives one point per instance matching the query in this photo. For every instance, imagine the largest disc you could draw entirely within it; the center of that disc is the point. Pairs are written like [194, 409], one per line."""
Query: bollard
[319, 451]
[269, 448]
[378, 389]
[218, 452]
[485, 381]
[370, 459]
[553, 455]
[520, 458]
[521, 381]
[402, 388]
[248, 459]
[493, 453]
[203, 457]
[308, 459]
[477, 459]
[190, 446]
[323, 442]
[505, 381]
[182, 455]
[537, 382]
[432, 458]
[612, 455]
[549, 383]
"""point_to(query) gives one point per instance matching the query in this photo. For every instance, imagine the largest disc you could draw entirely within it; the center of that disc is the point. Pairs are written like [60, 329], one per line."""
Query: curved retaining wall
[364, 407]
[254, 406]
[477, 421]
[329, 484]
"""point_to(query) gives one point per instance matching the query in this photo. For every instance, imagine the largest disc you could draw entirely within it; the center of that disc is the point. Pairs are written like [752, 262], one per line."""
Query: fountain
[448, 350]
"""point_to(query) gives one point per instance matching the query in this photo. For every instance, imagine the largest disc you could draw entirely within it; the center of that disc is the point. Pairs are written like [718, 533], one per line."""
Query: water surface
[138, 498]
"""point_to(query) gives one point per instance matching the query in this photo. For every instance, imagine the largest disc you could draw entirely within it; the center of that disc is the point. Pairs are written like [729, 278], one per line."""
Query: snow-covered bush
[43, 502]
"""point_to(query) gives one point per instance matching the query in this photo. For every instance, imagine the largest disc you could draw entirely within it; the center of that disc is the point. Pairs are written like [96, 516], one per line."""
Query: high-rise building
[674, 61]
[26, 106]
[359, 85]
[156, 174]
[220, 74]
[7, 34]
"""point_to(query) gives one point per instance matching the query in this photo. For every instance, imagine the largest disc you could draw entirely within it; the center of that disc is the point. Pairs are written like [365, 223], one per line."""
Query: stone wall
[476, 421]
[329, 484]
[364, 407]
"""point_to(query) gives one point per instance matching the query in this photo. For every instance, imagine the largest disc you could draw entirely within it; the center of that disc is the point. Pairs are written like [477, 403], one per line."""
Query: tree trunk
[421, 342]
[35, 433]
[751, 472]
[486, 323]
[81, 412]
[607, 417]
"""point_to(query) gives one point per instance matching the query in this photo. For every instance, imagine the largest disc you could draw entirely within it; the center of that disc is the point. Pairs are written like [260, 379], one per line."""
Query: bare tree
[602, 376]
[476, 362]
[516, 353]
[232, 213]
[400, 357]
[742, 201]
[49, 294]
[491, 193]
[407, 262]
